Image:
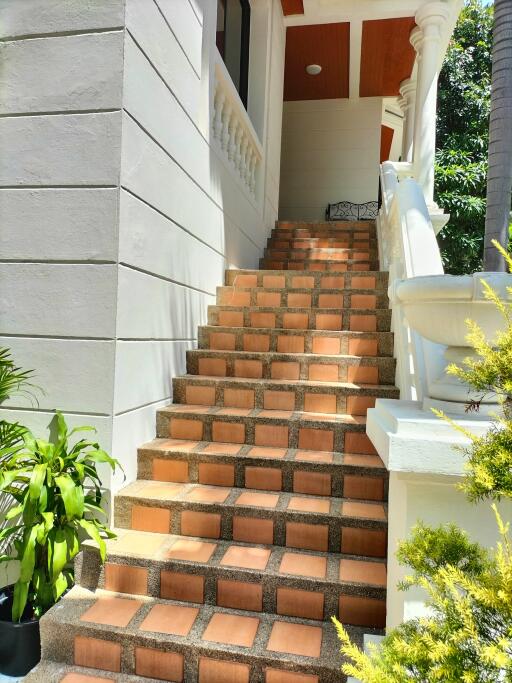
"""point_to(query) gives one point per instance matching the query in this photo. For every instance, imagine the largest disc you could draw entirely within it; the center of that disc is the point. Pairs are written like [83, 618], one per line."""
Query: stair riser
[117, 650]
[227, 393]
[291, 476]
[317, 342]
[367, 370]
[289, 242]
[330, 254]
[307, 279]
[230, 296]
[299, 530]
[231, 587]
[355, 320]
[320, 265]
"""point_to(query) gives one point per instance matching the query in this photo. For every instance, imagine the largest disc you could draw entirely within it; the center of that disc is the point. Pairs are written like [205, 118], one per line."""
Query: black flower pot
[20, 643]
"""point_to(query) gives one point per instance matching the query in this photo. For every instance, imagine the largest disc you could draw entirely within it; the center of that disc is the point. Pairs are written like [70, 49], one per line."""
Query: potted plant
[54, 500]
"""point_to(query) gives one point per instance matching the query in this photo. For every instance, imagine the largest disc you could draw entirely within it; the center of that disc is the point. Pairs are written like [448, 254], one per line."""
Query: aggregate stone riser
[319, 264]
[328, 254]
[383, 317]
[227, 295]
[163, 426]
[92, 577]
[57, 640]
[334, 521]
[240, 462]
[386, 365]
[381, 278]
[259, 388]
[384, 339]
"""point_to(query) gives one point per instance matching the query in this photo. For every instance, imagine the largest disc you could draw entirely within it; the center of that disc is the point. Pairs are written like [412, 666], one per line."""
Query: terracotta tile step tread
[253, 578]
[305, 298]
[320, 265]
[325, 342]
[351, 253]
[273, 428]
[357, 370]
[315, 275]
[48, 671]
[295, 242]
[300, 318]
[296, 395]
[164, 639]
[350, 476]
[254, 516]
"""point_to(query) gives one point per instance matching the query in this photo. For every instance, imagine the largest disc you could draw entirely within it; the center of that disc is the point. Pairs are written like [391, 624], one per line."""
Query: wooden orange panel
[292, 7]
[387, 57]
[386, 140]
[324, 44]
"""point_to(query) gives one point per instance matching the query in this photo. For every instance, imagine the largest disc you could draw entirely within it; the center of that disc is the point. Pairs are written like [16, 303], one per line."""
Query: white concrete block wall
[330, 152]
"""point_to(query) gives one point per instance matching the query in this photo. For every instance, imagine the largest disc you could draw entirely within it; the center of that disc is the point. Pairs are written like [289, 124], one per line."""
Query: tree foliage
[464, 97]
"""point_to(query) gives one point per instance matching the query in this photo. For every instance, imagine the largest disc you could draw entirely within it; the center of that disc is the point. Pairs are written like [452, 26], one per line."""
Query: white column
[430, 19]
[407, 102]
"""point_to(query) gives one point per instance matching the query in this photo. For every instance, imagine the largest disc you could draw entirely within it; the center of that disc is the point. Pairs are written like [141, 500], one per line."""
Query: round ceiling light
[313, 69]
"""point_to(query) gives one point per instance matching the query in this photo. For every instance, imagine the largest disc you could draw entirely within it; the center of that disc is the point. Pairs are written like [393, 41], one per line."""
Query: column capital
[432, 14]
[416, 39]
[408, 89]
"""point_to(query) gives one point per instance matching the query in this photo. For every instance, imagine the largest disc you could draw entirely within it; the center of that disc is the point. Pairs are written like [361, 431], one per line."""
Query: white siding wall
[118, 217]
[330, 152]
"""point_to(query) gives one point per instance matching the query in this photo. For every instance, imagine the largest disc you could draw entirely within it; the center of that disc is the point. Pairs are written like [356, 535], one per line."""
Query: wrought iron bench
[348, 211]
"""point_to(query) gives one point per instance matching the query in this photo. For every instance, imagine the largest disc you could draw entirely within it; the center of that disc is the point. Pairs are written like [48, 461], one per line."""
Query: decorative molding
[348, 211]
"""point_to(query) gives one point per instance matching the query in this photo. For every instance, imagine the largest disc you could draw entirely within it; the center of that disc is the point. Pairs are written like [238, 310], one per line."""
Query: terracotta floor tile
[202, 524]
[263, 319]
[307, 536]
[193, 551]
[264, 478]
[363, 347]
[170, 470]
[358, 571]
[323, 372]
[360, 374]
[268, 299]
[290, 343]
[363, 488]
[172, 619]
[84, 678]
[358, 405]
[363, 510]
[253, 530]
[246, 281]
[303, 282]
[295, 321]
[234, 412]
[222, 448]
[299, 300]
[95, 653]
[363, 323]
[303, 565]
[309, 505]
[163, 491]
[285, 370]
[222, 341]
[230, 629]
[231, 319]
[359, 444]
[314, 456]
[267, 452]
[139, 544]
[239, 398]
[296, 639]
[279, 676]
[369, 542]
[363, 301]
[332, 282]
[262, 500]
[123, 578]
[216, 474]
[313, 483]
[274, 281]
[328, 321]
[240, 595]
[207, 495]
[229, 432]
[111, 611]
[271, 435]
[247, 558]
[316, 439]
[330, 300]
[360, 611]
[146, 518]
[211, 367]
[178, 444]
[256, 342]
[186, 429]
[278, 400]
[320, 403]
[292, 602]
[363, 282]
[275, 414]
[217, 671]
[165, 666]
[204, 396]
[181, 587]
[362, 460]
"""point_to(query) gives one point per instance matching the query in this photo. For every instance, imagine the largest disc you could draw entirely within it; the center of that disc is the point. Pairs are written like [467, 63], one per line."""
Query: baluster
[243, 152]
[226, 117]
[252, 179]
[233, 132]
[238, 146]
[248, 163]
[219, 101]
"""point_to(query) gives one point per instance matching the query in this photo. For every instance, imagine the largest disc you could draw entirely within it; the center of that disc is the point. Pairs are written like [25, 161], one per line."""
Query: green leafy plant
[13, 381]
[57, 501]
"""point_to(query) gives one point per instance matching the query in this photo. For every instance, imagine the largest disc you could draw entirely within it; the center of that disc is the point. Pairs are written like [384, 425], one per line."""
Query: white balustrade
[232, 130]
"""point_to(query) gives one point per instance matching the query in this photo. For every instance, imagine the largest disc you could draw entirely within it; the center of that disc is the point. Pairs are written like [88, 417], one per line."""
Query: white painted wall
[330, 152]
[118, 215]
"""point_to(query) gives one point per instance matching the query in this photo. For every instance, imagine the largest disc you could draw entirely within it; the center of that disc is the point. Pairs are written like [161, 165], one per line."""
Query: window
[233, 29]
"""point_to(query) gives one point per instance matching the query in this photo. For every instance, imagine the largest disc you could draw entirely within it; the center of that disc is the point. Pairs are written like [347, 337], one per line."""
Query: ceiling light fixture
[313, 69]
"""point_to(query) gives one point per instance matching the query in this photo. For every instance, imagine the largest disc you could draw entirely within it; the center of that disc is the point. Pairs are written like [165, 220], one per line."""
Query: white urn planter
[437, 307]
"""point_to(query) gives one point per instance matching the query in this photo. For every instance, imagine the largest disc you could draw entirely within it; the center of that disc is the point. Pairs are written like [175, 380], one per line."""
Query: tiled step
[344, 475]
[357, 370]
[296, 395]
[346, 242]
[318, 265]
[303, 584]
[300, 318]
[252, 516]
[304, 279]
[48, 671]
[305, 298]
[176, 641]
[318, 342]
[330, 254]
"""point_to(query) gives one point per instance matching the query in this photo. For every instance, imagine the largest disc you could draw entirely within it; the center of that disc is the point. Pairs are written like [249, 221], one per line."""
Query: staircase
[260, 509]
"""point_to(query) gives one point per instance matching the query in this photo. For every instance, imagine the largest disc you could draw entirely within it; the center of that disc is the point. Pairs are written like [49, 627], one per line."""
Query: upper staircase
[260, 508]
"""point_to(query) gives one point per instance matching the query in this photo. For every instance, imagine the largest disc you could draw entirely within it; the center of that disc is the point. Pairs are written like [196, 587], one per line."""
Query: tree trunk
[499, 179]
